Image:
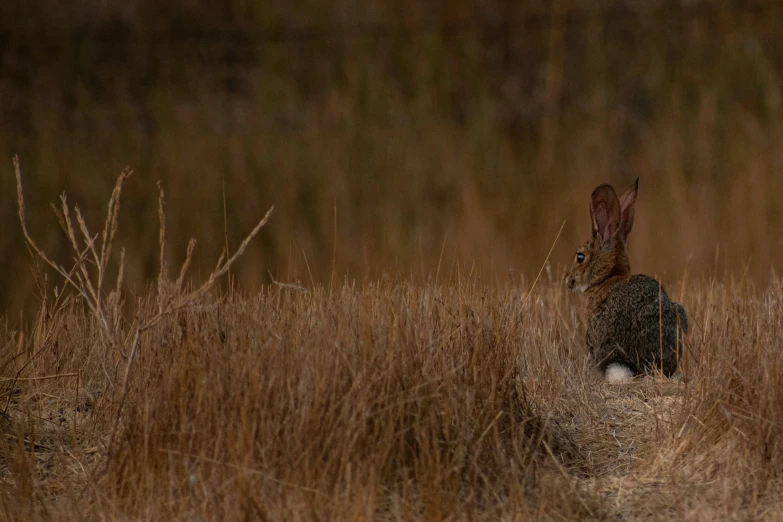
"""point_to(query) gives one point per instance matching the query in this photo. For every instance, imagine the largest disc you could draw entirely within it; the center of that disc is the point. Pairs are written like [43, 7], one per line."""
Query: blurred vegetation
[397, 137]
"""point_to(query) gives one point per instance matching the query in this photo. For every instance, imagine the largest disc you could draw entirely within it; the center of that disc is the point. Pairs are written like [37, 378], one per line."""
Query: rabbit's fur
[631, 321]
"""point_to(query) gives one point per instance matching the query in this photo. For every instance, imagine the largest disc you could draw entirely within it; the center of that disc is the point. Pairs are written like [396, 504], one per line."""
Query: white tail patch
[618, 373]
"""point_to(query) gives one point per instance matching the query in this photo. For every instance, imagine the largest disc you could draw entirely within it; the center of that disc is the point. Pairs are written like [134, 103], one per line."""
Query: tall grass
[393, 401]
[458, 399]
[390, 134]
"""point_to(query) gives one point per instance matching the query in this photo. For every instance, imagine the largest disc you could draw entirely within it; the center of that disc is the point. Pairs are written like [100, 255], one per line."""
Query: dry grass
[379, 357]
[383, 399]
[387, 132]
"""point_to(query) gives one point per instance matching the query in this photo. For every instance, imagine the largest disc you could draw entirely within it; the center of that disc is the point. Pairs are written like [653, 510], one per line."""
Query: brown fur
[631, 320]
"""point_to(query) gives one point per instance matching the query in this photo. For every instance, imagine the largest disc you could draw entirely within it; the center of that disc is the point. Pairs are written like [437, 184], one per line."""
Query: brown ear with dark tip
[605, 212]
[627, 209]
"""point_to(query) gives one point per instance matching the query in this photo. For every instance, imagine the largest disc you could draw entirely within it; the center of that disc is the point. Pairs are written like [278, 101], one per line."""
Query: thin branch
[162, 235]
[186, 263]
[112, 213]
[41, 378]
[527, 296]
[291, 286]
[89, 239]
[242, 247]
[121, 272]
[40, 253]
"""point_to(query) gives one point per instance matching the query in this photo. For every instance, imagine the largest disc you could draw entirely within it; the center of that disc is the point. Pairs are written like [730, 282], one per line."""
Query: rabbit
[633, 328]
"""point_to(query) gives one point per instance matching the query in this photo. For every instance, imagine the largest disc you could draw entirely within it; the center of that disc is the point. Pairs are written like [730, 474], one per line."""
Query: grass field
[396, 341]
[389, 133]
[457, 399]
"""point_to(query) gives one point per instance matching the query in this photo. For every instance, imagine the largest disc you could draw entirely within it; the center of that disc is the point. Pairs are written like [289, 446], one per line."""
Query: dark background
[389, 132]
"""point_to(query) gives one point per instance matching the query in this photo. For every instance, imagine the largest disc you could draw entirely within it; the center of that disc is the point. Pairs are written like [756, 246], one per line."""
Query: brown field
[458, 399]
[388, 133]
[395, 342]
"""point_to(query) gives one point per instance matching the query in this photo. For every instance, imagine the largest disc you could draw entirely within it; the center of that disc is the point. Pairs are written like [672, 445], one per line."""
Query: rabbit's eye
[580, 257]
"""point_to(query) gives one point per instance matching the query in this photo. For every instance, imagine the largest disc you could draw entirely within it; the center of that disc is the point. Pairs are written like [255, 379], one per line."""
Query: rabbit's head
[604, 256]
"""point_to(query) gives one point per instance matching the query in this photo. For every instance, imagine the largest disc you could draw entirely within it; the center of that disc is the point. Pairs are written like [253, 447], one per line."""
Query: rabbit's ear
[627, 208]
[605, 212]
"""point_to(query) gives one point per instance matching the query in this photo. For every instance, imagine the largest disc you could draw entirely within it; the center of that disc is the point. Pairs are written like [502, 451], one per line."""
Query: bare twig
[40, 253]
[163, 273]
[186, 264]
[291, 286]
[546, 260]
[110, 226]
[41, 378]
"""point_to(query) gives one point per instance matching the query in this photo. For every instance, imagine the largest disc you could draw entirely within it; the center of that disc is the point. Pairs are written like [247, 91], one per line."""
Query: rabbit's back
[636, 326]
